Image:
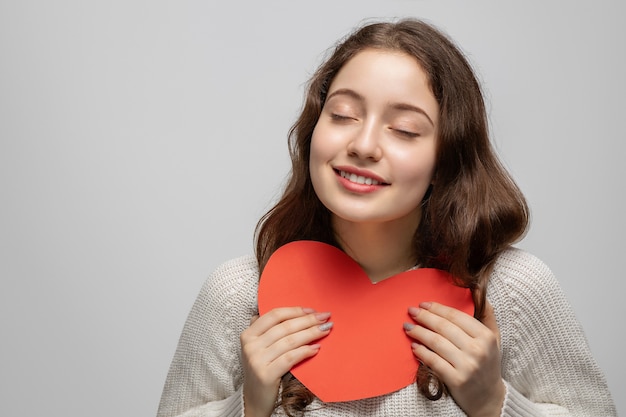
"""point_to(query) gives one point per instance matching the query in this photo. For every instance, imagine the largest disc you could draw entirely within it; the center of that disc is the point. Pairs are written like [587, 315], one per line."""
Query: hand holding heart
[463, 352]
[273, 344]
[447, 337]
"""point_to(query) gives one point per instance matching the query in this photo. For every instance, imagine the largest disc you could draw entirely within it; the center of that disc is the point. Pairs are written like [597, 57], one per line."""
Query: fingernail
[414, 311]
[307, 310]
[408, 326]
[322, 316]
[326, 326]
[426, 305]
[415, 345]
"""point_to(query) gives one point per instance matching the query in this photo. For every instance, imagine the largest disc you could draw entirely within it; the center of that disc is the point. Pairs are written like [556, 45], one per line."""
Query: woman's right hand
[271, 346]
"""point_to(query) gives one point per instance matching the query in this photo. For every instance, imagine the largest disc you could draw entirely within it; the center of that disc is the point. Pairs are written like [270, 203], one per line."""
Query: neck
[381, 249]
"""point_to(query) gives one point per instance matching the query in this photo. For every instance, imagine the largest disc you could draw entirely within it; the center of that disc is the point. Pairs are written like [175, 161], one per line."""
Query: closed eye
[406, 133]
[341, 117]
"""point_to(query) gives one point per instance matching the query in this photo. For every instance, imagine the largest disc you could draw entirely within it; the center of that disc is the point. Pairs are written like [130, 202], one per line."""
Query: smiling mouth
[359, 179]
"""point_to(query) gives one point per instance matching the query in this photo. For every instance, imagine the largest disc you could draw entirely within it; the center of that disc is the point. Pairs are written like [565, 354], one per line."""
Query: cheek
[416, 167]
[321, 145]
[314, 150]
[317, 156]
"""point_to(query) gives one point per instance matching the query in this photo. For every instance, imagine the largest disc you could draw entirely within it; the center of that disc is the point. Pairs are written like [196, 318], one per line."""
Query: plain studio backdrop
[140, 141]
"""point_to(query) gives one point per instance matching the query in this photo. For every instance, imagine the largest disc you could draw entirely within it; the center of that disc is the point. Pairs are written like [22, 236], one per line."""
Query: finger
[468, 324]
[291, 358]
[292, 347]
[276, 316]
[297, 331]
[436, 363]
[433, 344]
[445, 326]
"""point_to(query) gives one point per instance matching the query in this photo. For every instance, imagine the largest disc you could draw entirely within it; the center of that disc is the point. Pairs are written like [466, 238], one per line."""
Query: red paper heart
[367, 353]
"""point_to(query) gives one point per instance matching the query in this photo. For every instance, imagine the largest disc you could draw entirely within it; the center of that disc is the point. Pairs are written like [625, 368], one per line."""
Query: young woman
[392, 164]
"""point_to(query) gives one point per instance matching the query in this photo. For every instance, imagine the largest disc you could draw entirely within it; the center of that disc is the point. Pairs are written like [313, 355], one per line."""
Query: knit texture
[547, 366]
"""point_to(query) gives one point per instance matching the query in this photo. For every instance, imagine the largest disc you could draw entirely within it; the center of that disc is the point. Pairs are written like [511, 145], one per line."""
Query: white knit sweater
[547, 366]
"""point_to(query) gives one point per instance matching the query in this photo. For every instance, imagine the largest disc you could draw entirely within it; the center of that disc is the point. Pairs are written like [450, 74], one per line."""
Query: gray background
[141, 140]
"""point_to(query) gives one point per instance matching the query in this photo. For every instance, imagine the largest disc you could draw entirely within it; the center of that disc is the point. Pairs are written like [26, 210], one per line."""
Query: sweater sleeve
[548, 367]
[205, 376]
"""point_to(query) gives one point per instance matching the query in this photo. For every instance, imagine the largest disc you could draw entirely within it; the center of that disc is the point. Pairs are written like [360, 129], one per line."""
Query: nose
[366, 143]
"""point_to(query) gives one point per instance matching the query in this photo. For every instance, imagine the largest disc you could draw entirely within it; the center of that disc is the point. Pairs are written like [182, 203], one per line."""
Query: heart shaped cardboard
[367, 353]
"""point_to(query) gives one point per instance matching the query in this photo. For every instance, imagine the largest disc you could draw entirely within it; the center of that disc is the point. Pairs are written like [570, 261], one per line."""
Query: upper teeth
[359, 179]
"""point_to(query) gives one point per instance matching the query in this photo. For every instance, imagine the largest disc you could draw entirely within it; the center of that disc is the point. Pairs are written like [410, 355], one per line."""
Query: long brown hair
[473, 211]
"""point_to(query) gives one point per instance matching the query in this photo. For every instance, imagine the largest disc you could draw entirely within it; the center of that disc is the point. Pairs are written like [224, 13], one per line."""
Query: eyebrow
[397, 106]
[346, 92]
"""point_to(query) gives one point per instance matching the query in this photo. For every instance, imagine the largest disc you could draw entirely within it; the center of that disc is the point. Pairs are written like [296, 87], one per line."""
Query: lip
[355, 187]
[361, 173]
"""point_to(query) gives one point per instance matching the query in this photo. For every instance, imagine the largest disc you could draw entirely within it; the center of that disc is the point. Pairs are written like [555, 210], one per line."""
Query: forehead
[381, 62]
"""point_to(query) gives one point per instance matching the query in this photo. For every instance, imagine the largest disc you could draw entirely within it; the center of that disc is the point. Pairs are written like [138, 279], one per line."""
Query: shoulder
[238, 272]
[545, 353]
[522, 273]
[206, 366]
[230, 292]
[529, 303]
[526, 295]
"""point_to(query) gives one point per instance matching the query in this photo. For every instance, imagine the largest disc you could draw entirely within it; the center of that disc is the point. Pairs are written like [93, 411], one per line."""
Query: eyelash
[340, 117]
[407, 134]
[404, 133]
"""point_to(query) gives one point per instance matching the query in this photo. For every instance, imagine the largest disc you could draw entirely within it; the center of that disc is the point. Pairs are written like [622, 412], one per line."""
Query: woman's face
[373, 148]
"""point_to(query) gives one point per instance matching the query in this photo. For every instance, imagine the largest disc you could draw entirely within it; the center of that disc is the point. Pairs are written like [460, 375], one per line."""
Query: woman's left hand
[463, 352]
